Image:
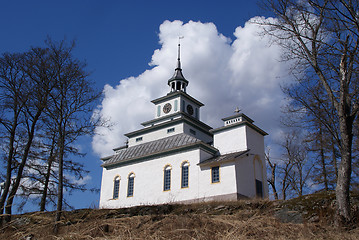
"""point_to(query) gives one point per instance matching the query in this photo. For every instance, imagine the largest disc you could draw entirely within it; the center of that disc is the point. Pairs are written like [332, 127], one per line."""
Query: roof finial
[237, 110]
[179, 52]
[177, 82]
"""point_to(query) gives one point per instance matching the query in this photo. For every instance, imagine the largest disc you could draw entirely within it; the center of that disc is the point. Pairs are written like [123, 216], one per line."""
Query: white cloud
[222, 74]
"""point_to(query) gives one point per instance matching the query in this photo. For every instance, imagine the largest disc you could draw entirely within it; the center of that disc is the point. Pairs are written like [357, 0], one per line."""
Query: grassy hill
[308, 217]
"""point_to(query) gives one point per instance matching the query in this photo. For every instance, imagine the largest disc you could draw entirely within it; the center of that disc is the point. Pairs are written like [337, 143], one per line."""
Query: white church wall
[256, 144]
[149, 180]
[247, 171]
[226, 185]
[155, 135]
[230, 140]
[245, 177]
[188, 129]
[148, 183]
[255, 141]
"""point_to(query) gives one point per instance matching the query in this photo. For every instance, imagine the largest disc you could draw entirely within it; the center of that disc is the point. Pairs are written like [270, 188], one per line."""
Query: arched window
[116, 187]
[131, 184]
[167, 178]
[184, 174]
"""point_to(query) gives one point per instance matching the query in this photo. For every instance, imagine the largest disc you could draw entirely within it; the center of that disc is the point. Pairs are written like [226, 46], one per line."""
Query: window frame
[167, 178]
[116, 187]
[171, 130]
[214, 179]
[184, 165]
[130, 184]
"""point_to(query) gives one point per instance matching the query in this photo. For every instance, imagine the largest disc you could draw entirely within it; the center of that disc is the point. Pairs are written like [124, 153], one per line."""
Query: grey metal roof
[155, 147]
[224, 158]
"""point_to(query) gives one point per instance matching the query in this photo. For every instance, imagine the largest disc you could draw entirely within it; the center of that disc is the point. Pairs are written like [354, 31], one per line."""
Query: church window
[215, 174]
[193, 132]
[176, 105]
[158, 110]
[184, 175]
[116, 187]
[139, 139]
[167, 178]
[183, 105]
[170, 130]
[130, 186]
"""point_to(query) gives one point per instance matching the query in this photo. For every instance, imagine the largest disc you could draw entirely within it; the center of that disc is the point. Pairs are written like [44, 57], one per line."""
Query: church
[177, 158]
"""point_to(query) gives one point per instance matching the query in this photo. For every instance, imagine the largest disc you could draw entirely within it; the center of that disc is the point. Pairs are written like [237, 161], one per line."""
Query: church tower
[176, 112]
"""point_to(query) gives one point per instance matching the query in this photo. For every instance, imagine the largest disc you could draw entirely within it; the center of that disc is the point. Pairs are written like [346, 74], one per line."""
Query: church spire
[177, 82]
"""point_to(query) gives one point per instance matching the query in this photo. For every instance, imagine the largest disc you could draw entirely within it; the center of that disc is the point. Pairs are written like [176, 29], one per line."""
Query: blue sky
[118, 40]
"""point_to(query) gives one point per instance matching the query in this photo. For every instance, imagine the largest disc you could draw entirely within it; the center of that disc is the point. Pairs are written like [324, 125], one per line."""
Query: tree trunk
[13, 191]
[60, 184]
[272, 182]
[47, 178]
[334, 160]
[8, 169]
[344, 173]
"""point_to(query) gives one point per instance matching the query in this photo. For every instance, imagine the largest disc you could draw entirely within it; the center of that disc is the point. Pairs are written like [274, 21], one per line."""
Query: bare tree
[70, 108]
[321, 37]
[273, 171]
[12, 101]
[296, 167]
[46, 104]
[36, 68]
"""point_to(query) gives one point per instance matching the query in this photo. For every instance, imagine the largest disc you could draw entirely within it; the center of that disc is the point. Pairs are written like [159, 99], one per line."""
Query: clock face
[190, 109]
[167, 108]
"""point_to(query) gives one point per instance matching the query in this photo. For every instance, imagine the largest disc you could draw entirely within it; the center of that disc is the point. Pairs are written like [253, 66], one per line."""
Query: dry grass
[225, 220]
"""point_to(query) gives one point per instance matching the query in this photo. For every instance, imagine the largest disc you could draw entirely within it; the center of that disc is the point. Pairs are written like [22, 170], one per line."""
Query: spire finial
[237, 110]
[179, 52]
[177, 82]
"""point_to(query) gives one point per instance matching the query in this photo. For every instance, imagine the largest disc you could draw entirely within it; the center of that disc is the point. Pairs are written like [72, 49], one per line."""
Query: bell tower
[177, 82]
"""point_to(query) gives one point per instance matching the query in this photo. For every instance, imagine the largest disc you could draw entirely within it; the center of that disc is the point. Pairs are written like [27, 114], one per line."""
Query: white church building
[178, 158]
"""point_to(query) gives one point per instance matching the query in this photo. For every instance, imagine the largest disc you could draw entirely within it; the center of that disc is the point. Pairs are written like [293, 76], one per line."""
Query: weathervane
[237, 110]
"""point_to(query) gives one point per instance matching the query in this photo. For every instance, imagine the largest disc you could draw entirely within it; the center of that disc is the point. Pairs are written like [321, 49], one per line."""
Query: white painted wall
[148, 184]
[148, 187]
[172, 102]
[244, 176]
[227, 184]
[155, 135]
[231, 140]
[255, 141]
[199, 133]
[162, 133]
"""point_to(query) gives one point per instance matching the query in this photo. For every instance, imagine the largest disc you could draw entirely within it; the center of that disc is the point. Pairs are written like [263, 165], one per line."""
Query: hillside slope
[309, 217]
